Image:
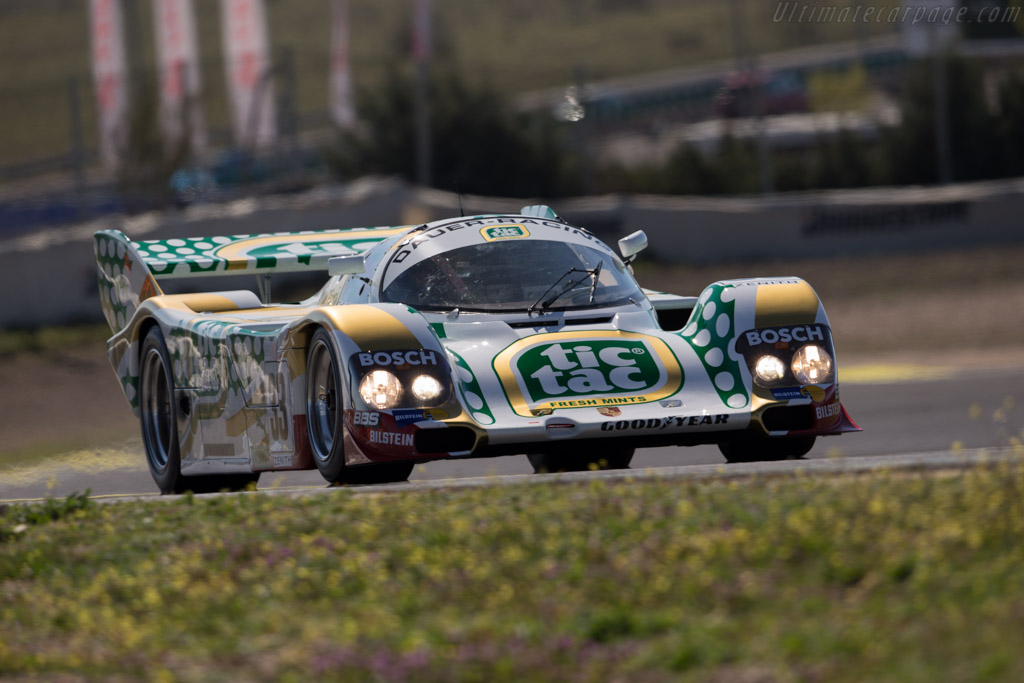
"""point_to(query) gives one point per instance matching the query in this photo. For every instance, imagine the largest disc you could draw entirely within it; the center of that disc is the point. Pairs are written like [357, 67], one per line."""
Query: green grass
[908, 577]
[513, 46]
[51, 340]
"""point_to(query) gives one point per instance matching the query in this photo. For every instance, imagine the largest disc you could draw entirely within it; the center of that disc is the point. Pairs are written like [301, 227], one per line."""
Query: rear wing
[128, 271]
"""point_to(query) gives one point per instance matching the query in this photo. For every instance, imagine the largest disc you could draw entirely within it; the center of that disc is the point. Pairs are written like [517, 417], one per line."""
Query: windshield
[514, 275]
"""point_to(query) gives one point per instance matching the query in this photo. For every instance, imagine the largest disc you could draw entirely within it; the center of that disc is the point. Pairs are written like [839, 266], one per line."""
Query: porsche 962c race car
[466, 337]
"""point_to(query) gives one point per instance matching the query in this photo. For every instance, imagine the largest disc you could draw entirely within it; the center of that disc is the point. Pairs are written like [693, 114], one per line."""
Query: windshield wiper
[594, 275]
[541, 302]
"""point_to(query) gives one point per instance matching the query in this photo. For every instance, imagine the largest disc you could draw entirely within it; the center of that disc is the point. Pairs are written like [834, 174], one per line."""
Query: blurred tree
[147, 158]
[479, 143]
[842, 160]
[794, 169]
[1011, 123]
[687, 171]
[488, 149]
[732, 169]
[973, 131]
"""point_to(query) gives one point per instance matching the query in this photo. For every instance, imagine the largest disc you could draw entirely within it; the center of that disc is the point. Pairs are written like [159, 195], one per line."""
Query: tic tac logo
[593, 369]
[504, 232]
[588, 367]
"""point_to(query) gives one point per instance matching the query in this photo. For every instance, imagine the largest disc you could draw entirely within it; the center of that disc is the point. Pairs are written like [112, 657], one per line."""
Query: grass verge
[872, 577]
[51, 340]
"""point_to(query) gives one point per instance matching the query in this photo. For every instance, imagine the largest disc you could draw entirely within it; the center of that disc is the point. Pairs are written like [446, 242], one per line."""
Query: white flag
[110, 76]
[342, 109]
[177, 54]
[247, 56]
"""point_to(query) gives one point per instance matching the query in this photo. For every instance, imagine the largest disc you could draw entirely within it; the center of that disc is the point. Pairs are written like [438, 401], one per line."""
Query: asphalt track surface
[904, 410]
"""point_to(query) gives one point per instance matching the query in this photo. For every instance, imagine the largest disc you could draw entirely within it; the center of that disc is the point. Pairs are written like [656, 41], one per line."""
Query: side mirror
[346, 265]
[633, 244]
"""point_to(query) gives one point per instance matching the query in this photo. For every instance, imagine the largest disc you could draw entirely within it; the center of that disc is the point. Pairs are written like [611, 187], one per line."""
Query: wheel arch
[295, 351]
[137, 333]
[360, 327]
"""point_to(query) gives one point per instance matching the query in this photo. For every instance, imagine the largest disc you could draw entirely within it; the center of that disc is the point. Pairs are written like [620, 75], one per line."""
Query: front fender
[736, 321]
[368, 336]
[375, 327]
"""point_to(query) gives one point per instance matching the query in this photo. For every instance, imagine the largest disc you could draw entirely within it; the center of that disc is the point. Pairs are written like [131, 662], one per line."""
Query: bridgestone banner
[177, 54]
[110, 76]
[250, 82]
[342, 109]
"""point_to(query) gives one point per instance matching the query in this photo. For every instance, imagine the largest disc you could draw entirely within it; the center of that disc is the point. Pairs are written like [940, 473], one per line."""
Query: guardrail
[48, 277]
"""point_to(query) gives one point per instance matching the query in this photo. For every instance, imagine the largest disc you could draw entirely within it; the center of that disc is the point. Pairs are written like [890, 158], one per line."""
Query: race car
[466, 337]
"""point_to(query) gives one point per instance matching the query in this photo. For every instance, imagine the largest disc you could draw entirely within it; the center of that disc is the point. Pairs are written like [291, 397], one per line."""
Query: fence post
[288, 109]
[76, 154]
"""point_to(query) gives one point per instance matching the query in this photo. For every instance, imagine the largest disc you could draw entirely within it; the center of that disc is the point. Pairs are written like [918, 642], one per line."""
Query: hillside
[513, 46]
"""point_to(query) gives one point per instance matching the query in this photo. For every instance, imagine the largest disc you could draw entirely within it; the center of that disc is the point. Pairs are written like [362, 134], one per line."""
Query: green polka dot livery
[472, 394]
[278, 252]
[710, 333]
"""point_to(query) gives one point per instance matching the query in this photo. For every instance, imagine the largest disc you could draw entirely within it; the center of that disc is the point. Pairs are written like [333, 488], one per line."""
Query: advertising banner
[342, 109]
[177, 53]
[110, 76]
[250, 82]
[421, 30]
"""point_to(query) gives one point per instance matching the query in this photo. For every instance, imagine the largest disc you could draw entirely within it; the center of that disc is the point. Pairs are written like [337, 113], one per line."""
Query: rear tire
[158, 416]
[753, 449]
[574, 460]
[325, 414]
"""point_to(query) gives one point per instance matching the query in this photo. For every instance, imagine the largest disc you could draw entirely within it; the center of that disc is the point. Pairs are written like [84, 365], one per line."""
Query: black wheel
[576, 460]
[158, 415]
[752, 449]
[325, 410]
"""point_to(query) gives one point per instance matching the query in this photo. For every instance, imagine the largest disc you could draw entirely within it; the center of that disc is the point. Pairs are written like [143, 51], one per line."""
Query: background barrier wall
[49, 277]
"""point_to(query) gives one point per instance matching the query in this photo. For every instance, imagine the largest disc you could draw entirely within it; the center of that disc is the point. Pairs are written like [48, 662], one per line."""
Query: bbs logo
[588, 367]
[365, 418]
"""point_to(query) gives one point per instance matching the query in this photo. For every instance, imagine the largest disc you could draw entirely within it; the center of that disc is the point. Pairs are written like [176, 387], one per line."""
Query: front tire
[158, 416]
[325, 412]
[751, 449]
[576, 460]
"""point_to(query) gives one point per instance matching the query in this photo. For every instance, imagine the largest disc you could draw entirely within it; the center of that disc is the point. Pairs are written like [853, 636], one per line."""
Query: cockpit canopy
[532, 273]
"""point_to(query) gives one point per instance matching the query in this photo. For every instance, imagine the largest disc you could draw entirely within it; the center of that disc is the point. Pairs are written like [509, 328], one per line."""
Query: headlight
[426, 388]
[812, 365]
[380, 389]
[769, 369]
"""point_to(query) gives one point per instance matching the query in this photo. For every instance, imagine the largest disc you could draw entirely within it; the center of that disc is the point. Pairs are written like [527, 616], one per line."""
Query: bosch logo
[417, 357]
[786, 334]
